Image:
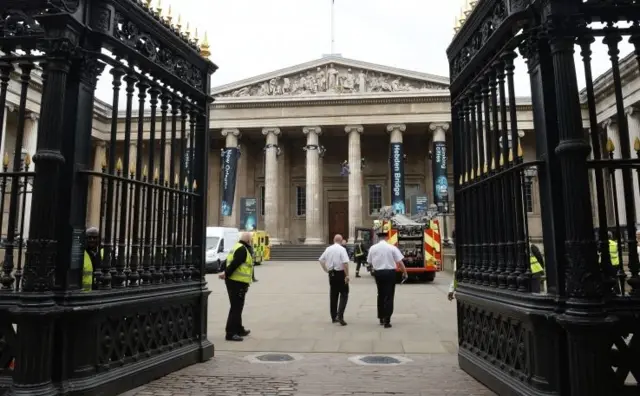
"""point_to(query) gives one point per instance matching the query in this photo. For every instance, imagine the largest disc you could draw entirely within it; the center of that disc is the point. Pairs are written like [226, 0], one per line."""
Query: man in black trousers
[384, 257]
[238, 275]
[335, 262]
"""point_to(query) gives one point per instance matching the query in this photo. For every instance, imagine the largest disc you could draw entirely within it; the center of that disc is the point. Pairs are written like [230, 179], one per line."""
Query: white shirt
[334, 257]
[384, 256]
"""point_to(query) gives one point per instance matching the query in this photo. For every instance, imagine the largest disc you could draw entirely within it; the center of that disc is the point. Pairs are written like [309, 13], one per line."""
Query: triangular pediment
[333, 75]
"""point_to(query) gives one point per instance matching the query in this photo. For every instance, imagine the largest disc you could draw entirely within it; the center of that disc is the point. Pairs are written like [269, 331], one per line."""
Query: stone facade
[296, 137]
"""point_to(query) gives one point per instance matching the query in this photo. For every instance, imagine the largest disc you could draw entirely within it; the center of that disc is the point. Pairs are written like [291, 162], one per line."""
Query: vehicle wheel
[219, 267]
[428, 276]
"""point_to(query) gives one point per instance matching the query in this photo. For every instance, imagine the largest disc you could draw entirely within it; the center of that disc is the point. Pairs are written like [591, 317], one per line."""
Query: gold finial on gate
[194, 185]
[159, 9]
[471, 177]
[486, 168]
[187, 31]
[460, 180]
[179, 23]
[186, 182]
[636, 144]
[466, 177]
[501, 159]
[195, 37]
[5, 160]
[119, 165]
[510, 155]
[148, 3]
[520, 153]
[145, 172]
[610, 147]
[27, 160]
[169, 15]
[132, 170]
[204, 47]
[156, 175]
[493, 164]
[176, 180]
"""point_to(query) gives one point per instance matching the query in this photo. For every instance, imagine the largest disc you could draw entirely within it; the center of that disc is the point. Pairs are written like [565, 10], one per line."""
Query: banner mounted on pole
[440, 181]
[248, 218]
[229, 173]
[397, 178]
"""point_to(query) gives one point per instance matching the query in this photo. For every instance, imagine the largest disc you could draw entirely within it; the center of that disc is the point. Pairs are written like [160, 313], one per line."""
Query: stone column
[613, 133]
[633, 118]
[99, 157]
[355, 179]
[395, 132]
[213, 193]
[231, 141]
[133, 157]
[271, 184]
[167, 161]
[439, 136]
[3, 129]
[313, 233]
[29, 145]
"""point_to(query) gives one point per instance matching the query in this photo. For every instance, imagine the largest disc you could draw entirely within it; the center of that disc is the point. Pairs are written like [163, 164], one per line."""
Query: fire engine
[419, 243]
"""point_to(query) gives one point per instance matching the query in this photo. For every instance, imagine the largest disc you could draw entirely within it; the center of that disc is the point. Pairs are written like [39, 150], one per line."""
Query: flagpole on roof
[332, 28]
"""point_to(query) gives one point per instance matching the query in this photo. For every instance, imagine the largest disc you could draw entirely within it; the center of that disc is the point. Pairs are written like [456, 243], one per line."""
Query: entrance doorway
[338, 219]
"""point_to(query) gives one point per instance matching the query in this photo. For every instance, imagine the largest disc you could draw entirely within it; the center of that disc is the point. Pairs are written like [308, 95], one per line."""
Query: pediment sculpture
[333, 79]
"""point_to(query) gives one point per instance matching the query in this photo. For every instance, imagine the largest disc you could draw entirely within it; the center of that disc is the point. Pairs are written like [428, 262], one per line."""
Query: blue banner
[229, 170]
[440, 181]
[396, 161]
[248, 217]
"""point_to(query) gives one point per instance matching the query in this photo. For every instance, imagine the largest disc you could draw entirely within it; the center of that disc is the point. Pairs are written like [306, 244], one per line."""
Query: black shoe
[357, 275]
[255, 280]
[233, 337]
[244, 333]
[334, 320]
[342, 322]
[387, 325]
[381, 322]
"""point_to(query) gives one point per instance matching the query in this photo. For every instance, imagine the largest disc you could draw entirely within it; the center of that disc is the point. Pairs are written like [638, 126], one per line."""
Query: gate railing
[142, 313]
[577, 336]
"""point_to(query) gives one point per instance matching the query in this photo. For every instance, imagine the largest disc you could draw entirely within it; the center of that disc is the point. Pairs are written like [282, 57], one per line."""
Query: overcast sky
[251, 37]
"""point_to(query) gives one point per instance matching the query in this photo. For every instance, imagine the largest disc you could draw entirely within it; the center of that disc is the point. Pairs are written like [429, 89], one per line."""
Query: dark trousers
[237, 292]
[338, 294]
[386, 283]
[358, 264]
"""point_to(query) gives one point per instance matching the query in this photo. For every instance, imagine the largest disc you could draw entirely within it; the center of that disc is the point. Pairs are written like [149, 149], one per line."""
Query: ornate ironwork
[127, 302]
[515, 326]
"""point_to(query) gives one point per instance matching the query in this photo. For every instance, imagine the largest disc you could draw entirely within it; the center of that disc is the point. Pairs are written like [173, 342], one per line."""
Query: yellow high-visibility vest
[87, 271]
[613, 253]
[244, 273]
[359, 251]
[535, 265]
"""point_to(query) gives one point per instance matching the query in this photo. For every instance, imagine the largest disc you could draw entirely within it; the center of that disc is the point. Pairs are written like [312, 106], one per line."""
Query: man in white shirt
[335, 262]
[384, 257]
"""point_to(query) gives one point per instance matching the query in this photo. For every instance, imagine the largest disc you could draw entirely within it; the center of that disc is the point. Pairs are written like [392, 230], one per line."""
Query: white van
[219, 242]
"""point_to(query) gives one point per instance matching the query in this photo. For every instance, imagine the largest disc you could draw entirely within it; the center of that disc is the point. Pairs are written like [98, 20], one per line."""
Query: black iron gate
[142, 313]
[580, 336]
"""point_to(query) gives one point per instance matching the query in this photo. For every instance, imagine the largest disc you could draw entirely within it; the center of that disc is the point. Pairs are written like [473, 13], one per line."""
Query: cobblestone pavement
[287, 312]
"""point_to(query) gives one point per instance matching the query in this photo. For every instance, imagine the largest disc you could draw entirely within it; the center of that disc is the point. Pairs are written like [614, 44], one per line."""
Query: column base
[275, 241]
[351, 241]
[313, 241]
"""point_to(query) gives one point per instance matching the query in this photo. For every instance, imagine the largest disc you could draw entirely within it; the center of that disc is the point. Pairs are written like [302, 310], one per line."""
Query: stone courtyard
[287, 313]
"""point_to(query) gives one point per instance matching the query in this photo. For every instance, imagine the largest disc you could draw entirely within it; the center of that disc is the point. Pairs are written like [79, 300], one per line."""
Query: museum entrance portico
[315, 140]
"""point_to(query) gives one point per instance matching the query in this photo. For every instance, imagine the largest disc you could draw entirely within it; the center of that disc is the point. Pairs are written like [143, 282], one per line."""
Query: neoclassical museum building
[320, 146]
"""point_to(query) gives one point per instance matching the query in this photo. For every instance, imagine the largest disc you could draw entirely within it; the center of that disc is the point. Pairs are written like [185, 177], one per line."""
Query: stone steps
[296, 252]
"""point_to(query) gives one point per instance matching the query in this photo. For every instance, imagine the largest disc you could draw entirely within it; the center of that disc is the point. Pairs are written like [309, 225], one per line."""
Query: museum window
[301, 201]
[528, 195]
[261, 200]
[375, 198]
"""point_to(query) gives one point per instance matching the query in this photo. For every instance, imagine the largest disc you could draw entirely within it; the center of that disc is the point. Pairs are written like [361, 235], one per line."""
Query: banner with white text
[229, 173]
[440, 181]
[397, 178]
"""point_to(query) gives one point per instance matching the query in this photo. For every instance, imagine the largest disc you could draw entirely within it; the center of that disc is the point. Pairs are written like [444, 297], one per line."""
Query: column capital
[611, 121]
[353, 128]
[312, 129]
[434, 126]
[230, 131]
[632, 110]
[100, 143]
[32, 116]
[396, 127]
[275, 131]
[134, 143]
[11, 108]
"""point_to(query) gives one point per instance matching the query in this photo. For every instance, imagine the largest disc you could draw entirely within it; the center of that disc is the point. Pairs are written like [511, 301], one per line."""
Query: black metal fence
[142, 313]
[578, 337]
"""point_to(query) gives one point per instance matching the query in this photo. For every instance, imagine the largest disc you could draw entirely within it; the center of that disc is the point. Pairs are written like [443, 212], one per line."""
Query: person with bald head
[335, 262]
[238, 275]
[92, 257]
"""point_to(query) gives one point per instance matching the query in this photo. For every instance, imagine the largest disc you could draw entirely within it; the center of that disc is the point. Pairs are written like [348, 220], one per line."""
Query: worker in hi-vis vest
[536, 264]
[93, 256]
[238, 274]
